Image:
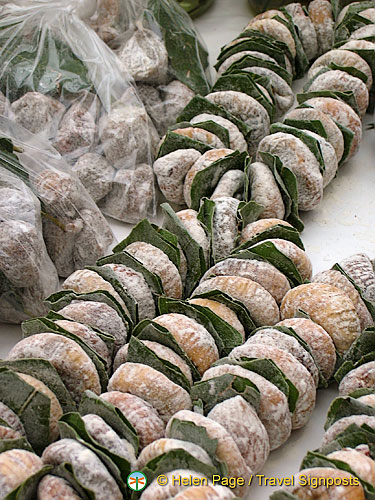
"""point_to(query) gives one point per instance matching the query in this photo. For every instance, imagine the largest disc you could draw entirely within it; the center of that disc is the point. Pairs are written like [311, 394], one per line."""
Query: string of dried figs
[299, 155]
[344, 464]
[148, 381]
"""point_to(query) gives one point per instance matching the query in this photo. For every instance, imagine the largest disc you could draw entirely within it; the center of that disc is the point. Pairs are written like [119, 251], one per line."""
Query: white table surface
[343, 224]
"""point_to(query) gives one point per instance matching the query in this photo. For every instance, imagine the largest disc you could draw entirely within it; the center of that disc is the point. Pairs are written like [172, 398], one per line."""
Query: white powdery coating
[245, 108]
[55, 488]
[77, 130]
[340, 425]
[227, 450]
[364, 32]
[239, 55]
[209, 492]
[189, 219]
[37, 113]
[142, 416]
[254, 228]
[85, 280]
[87, 467]
[88, 336]
[368, 399]
[172, 487]
[201, 135]
[74, 366]
[203, 162]
[341, 57]
[15, 467]
[292, 369]
[13, 420]
[95, 173]
[132, 195]
[223, 311]
[328, 155]
[156, 261]
[145, 57]
[285, 342]
[341, 113]
[337, 279]
[103, 434]
[273, 410]
[135, 285]
[123, 133]
[368, 14]
[193, 338]
[358, 45]
[320, 13]
[260, 303]
[265, 191]
[264, 273]
[334, 135]
[362, 377]
[306, 30]
[341, 81]
[161, 351]
[224, 226]
[274, 29]
[236, 138]
[164, 445]
[338, 490]
[97, 315]
[152, 386]
[282, 92]
[362, 466]
[296, 156]
[171, 170]
[175, 96]
[359, 268]
[329, 307]
[232, 182]
[318, 340]
[55, 408]
[239, 418]
[299, 257]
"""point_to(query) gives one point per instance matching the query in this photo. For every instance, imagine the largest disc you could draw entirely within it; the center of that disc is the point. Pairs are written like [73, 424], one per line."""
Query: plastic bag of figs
[75, 232]
[27, 274]
[62, 82]
[158, 45]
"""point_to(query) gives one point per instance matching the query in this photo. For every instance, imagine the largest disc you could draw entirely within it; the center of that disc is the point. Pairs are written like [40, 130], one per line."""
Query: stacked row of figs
[166, 360]
[293, 160]
[346, 455]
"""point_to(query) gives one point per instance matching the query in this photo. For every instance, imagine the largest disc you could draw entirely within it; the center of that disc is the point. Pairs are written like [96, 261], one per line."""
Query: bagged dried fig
[26, 271]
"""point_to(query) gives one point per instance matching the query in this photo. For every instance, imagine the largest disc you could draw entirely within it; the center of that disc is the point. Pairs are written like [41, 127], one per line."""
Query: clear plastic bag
[27, 274]
[75, 232]
[61, 82]
[158, 45]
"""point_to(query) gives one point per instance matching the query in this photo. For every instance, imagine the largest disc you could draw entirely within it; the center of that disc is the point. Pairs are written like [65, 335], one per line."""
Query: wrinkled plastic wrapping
[75, 232]
[61, 82]
[27, 274]
[156, 42]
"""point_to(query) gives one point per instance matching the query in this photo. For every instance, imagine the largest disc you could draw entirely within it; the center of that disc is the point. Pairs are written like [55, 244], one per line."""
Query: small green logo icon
[137, 481]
